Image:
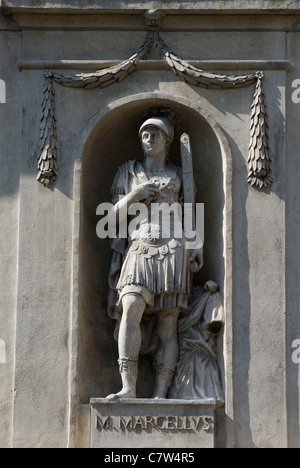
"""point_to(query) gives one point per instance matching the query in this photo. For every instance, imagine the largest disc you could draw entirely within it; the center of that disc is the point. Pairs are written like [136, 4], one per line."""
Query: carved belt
[140, 248]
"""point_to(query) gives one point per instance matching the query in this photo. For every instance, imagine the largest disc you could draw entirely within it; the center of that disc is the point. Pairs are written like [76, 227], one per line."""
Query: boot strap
[127, 364]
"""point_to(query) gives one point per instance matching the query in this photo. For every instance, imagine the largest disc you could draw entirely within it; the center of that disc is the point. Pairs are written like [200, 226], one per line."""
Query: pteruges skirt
[159, 273]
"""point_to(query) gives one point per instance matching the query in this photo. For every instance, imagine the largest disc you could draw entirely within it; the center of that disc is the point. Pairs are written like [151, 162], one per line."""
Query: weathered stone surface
[53, 316]
[10, 49]
[229, 5]
[149, 424]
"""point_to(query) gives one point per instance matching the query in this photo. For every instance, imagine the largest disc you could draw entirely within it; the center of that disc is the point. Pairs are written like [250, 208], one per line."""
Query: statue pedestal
[143, 423]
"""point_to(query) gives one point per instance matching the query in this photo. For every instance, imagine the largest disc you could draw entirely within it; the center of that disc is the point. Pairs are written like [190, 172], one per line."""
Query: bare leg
[130, 338]
[129, 344]
[167, 353]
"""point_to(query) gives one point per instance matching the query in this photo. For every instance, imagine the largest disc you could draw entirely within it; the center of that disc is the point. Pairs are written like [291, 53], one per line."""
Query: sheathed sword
[188, 178]
[193, 214]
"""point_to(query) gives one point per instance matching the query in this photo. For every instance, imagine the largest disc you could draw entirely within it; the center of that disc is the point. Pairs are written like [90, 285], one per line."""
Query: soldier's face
[154, 141]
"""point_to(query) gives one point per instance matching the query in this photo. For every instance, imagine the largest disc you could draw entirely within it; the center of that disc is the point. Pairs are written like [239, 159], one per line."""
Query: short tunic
[154, 265]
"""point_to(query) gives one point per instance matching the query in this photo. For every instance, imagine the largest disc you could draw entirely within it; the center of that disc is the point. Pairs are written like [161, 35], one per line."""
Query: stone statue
[151, 273]
[197, 374]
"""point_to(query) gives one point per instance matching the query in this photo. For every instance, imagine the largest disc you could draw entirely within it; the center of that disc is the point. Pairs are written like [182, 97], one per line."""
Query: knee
[133, 307]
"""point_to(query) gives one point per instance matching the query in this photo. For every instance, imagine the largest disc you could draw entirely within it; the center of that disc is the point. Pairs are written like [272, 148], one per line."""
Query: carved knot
[48, 74]
[259, 75]
[153, 19]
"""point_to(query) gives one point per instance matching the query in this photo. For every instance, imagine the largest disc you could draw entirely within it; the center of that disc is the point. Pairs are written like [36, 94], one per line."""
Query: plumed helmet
[162, 123]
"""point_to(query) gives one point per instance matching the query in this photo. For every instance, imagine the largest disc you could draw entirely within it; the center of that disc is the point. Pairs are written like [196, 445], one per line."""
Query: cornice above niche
[205, 6]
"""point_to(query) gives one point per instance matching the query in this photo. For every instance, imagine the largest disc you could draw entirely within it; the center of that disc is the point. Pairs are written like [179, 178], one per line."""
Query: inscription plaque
[142, 423]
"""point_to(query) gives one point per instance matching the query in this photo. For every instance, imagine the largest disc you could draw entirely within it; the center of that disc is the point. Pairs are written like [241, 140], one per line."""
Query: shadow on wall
[113, 141]
[241, 306]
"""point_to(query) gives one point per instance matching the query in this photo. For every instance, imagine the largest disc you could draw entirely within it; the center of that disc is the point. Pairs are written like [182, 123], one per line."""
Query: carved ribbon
[259, 159]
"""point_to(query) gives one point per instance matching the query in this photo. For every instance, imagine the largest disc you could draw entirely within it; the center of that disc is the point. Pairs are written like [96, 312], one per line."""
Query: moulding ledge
[205, 6]
[210, 402]
[155, 64]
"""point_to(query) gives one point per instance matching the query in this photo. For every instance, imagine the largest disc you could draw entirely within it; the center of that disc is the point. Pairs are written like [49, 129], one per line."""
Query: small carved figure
[197, 374]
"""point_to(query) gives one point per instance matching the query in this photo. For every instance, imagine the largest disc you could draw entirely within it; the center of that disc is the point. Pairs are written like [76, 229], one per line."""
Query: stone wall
[59, 351]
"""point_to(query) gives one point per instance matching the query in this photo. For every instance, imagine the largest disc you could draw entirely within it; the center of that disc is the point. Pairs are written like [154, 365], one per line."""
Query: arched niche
[112, 141]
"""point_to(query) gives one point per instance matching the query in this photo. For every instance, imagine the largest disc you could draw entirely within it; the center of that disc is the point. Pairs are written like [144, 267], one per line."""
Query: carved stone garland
[259, 159]
[48, 158]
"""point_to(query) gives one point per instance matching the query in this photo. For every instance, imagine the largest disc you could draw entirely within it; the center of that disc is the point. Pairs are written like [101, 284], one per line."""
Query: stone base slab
[143, 423]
